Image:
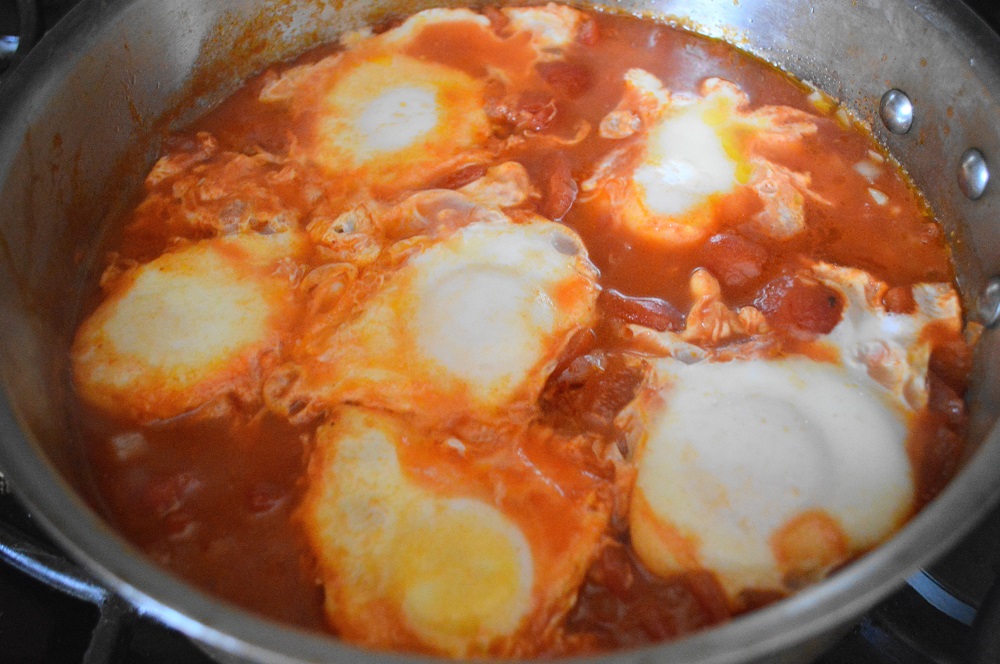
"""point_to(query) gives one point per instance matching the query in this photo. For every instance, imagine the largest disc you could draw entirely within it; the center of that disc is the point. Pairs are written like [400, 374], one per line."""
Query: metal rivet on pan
[896, 111]
[973, 173]
[988, 305]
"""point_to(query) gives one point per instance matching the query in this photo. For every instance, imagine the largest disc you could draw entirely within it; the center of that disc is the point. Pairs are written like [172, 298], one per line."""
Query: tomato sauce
[213, 498]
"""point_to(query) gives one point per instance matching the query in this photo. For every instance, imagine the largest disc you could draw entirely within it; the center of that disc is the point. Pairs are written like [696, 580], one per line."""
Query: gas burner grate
[53, 612]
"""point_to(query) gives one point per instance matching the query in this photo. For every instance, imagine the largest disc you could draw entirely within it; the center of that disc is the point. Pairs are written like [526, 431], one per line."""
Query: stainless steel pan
[80, 122]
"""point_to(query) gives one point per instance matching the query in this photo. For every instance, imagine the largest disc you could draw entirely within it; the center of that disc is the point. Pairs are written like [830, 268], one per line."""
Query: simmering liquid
[568, 317]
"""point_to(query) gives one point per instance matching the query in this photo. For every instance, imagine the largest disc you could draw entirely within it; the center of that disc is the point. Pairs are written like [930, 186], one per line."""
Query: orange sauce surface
[214, 499]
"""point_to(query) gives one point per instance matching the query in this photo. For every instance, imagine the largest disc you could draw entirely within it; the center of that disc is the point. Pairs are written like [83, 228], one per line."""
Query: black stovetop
[67, 618]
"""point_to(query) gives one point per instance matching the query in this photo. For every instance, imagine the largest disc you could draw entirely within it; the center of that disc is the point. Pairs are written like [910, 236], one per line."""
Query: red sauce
[213, 499]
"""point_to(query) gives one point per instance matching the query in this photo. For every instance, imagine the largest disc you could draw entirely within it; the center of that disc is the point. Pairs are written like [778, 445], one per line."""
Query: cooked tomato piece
[733, 259]
[646, 311]
[800, 305]
[570, 79]
[561, 188]
[899, 300]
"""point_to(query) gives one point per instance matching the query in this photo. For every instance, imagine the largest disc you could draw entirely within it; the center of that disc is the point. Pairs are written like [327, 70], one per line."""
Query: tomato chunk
[733, 259]
[570, 79]
[561, 188]
[649, 312]
[800, 305]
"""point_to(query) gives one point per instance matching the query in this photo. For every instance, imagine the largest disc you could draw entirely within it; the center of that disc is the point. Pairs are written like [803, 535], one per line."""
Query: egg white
[891, 348]
[735, 452]
[187, 328]
[401, 565]
[552, 27]
[395, 116]
[471, 323]
[686, 152]
[686, 162]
